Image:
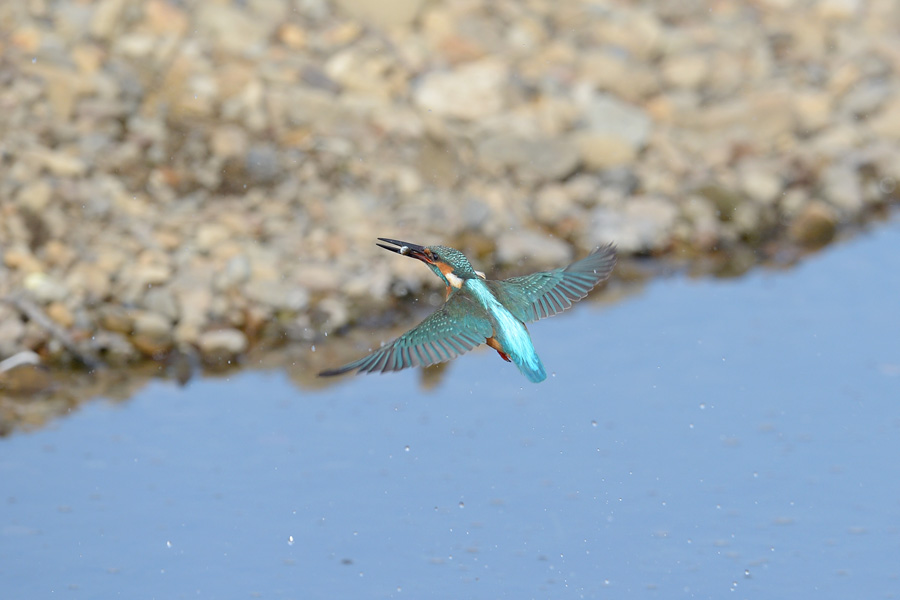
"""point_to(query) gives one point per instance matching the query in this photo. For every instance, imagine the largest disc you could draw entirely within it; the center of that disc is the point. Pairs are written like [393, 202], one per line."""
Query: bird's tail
[531, 367]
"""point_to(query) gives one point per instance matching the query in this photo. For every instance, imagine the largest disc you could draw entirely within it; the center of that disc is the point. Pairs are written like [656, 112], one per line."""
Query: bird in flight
[483, 311]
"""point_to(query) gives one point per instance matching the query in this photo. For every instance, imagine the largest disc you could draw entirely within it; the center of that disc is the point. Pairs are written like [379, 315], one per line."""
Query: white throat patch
[454, 280]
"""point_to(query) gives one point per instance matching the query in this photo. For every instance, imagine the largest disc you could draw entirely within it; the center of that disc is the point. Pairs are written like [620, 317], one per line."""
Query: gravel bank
[200, 178]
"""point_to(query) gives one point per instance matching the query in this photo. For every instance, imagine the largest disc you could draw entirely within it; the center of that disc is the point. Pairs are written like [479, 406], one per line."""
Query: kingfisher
[483, 311]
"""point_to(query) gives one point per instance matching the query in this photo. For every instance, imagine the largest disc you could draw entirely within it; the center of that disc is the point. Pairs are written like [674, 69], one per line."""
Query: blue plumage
[480, 311]
[508, 331]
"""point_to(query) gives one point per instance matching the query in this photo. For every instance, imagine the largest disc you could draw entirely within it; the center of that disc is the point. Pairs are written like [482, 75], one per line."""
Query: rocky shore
[199, 179]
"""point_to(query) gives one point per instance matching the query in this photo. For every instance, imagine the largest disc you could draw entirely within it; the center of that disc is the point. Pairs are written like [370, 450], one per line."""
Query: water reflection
[706, 437]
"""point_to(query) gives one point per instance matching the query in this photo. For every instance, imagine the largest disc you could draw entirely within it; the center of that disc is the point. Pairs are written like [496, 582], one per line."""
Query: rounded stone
[815, 225]
[45, 288]
[471, 92]
[221, 344]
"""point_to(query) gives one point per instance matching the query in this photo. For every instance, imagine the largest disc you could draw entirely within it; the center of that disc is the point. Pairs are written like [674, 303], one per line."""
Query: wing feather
[543, 294]
[454, 329]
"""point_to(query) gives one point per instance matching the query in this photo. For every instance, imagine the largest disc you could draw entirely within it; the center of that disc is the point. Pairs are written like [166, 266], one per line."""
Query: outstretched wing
[455, 328]
[543, 294]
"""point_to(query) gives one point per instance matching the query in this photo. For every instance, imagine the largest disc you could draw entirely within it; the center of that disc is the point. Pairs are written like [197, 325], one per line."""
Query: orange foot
[496, 346]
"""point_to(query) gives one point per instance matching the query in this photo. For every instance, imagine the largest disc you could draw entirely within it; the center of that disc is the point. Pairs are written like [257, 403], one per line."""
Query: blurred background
[190, 194]
[204, 177]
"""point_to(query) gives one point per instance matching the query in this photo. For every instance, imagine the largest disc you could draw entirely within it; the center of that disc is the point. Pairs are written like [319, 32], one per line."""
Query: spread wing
[455, 328]
[543, 294]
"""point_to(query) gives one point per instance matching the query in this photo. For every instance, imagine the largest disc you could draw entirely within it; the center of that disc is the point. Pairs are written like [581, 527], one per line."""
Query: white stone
[228, 342]
[516, 247]
[470, 92]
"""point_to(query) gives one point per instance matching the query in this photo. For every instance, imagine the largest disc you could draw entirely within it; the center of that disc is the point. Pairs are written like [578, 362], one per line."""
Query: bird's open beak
[406, 249]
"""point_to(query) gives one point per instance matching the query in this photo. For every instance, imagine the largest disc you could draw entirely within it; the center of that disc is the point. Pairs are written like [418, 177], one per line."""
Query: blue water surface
[707, 439]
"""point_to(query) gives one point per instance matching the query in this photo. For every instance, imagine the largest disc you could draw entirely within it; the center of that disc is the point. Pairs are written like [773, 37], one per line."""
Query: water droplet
[168, 544]
[406, 448]
[34, 60]
[887, 185]
[703, 406]
[593, 423]
[747, 573]
[313, 347]
[290, 540]
[461, 504]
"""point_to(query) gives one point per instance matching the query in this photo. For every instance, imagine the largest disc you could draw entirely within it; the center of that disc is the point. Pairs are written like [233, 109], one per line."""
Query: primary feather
[454, 329]
[543, 294]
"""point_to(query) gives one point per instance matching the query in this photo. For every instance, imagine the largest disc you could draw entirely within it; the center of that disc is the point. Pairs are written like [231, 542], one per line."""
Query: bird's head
[449, 264]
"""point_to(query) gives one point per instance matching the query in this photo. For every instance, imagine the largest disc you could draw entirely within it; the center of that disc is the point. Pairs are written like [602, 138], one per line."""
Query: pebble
[153, 334]
[515, 248]
[760, 182]
[221, 344]
[279, 296]
[470, 92]
[23, 375]
[59, 313]
[643, 226]
[12, 330]
[150, 274]
[56, 162]
[161, 301]
[886, 123]
[88, 281]
[841, 188]
[383, 13]
[553, 203]
[601, 151]
[815, 225]
[151, 323]
[195, 304]
[114, 348]
[607, 116]
[35, 196]
[262, 164]
[545, 159]
[209, 235]
[45, 288]
[236, 272]
[116, 318]
[153, 346]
